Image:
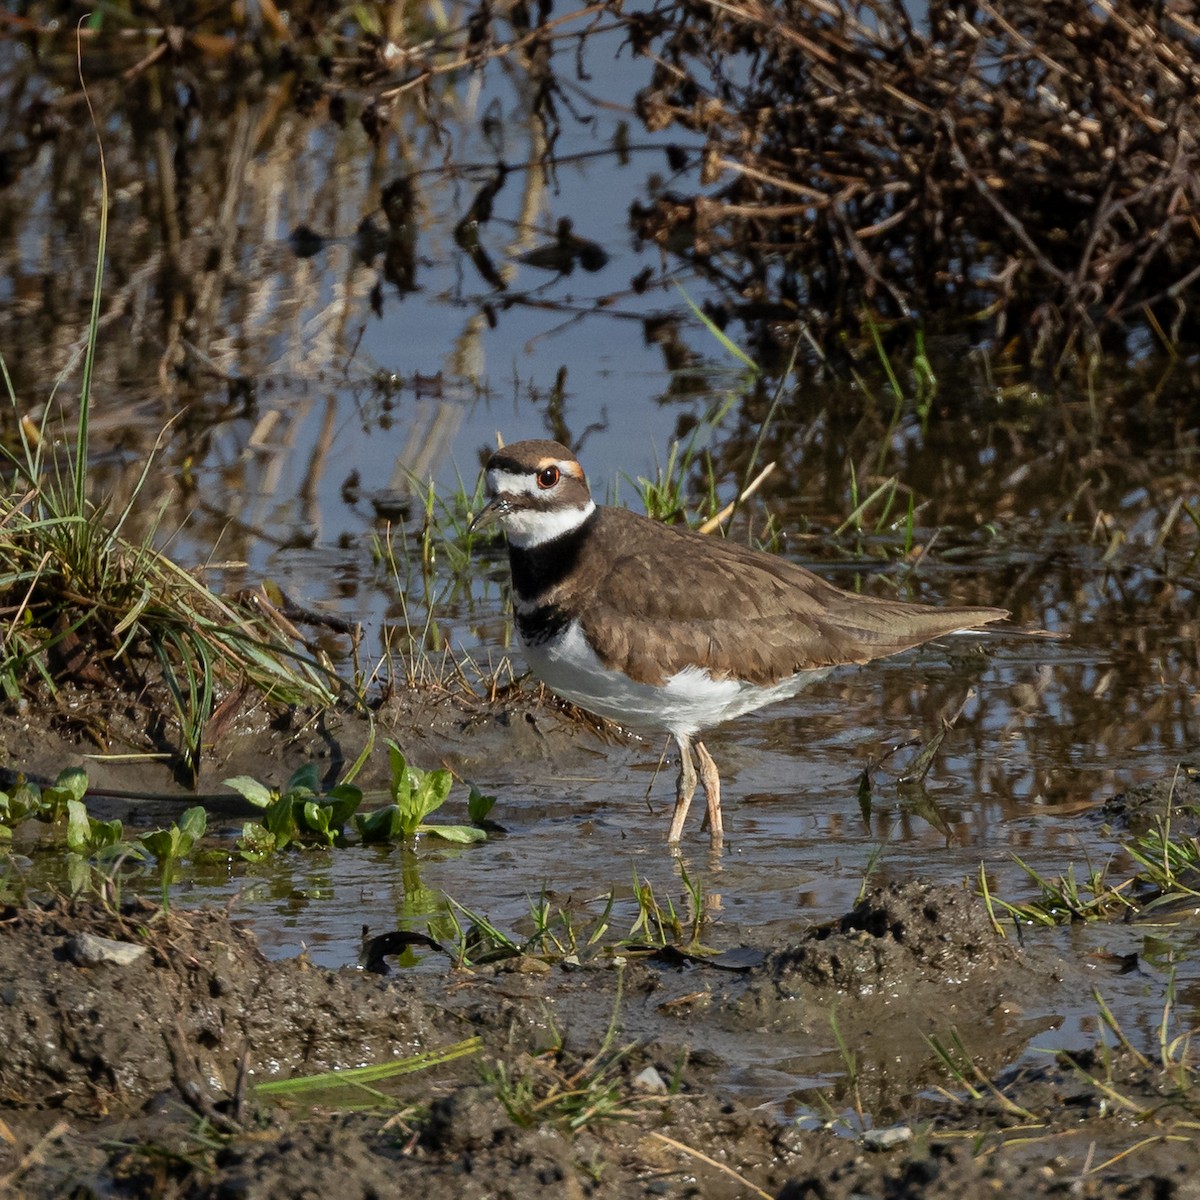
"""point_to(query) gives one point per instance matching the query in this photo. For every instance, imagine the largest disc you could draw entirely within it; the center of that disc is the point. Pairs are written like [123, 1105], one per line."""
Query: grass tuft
[84, 604]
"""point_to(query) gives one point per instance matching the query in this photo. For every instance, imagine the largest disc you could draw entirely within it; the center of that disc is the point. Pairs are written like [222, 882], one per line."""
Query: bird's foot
[710, 780]
[685, 789]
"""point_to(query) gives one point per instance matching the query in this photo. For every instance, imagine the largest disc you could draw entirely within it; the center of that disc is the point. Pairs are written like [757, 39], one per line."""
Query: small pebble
[650, 1080]
[886, 1139]
[88, 950]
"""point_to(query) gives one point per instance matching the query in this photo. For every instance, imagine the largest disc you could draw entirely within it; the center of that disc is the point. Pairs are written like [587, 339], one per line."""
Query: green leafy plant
[298, 812]
[169, 846]
[1165, 880]
[1168, 865]
[88, 836]
[17, 806]
[555, 932]
[665, 497]
[415, 794]
[659, 925]
[26, 801]
[70, 784]
[98, 852]
[1064, 900]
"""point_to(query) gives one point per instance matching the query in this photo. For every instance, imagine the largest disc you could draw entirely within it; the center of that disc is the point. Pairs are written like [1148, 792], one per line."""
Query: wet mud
[135, 1075]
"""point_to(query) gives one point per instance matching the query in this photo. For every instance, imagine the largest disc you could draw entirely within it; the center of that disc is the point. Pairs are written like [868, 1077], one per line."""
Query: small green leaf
[106, 835]
[25, 800]
[343, 801]
[479, 805]
[463, 834]
[280, 819]
[405, 788]
[79, 830]
[193, 824]
[256, 843]
[88, 837]
[73, 780]
[162, 843]
[316, 820]
[304, 779]
[433, 789]
[345, 791]
[169, 845]
[401, 777]
[410, 814]
[257, 793]
[71, 784]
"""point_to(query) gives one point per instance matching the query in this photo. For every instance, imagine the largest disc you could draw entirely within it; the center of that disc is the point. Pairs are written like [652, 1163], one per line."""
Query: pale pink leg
[685, 786]
[710, 780]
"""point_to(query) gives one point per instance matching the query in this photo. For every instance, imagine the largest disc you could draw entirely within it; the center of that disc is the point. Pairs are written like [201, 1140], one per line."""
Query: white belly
[686, 703]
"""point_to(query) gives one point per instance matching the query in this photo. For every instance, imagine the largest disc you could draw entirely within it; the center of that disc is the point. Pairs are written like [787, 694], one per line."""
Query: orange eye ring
[547, 477]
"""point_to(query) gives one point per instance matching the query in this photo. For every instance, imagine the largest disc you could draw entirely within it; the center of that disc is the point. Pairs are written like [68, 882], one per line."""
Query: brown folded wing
[657, 604]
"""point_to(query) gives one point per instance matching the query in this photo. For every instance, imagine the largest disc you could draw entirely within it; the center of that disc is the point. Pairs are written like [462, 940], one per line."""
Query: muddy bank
[497, 742]
[137, 1077]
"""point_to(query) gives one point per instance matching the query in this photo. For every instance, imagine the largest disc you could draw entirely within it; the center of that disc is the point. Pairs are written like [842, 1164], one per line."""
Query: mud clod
[468, 1119]
[892, 935]
[1173, 798]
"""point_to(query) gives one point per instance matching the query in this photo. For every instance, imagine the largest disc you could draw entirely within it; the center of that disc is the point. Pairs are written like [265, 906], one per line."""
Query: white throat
[535, 527]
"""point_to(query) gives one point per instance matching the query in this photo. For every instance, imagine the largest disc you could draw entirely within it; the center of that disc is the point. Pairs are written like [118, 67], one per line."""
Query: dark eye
[547, 477]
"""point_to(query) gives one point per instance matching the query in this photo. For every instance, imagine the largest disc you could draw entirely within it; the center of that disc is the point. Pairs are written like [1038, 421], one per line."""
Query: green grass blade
[719, 335]
[356, 1077]
[89, 357]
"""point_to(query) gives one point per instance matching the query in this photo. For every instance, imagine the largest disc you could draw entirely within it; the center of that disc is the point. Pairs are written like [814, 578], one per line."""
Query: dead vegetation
[1022, 171]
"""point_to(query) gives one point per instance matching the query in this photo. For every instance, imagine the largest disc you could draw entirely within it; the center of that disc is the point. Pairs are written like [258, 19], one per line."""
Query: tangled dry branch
[1023, 169]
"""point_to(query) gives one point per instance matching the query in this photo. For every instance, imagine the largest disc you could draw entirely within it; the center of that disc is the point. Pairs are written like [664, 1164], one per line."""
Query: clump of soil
[1172, 798]
[110, 1055]
[940, 935]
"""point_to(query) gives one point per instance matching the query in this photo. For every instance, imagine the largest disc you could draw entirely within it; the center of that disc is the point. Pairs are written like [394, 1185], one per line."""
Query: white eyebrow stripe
[506, 483]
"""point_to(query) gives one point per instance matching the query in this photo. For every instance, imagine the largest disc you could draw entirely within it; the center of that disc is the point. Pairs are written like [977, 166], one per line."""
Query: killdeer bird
[662, 629]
